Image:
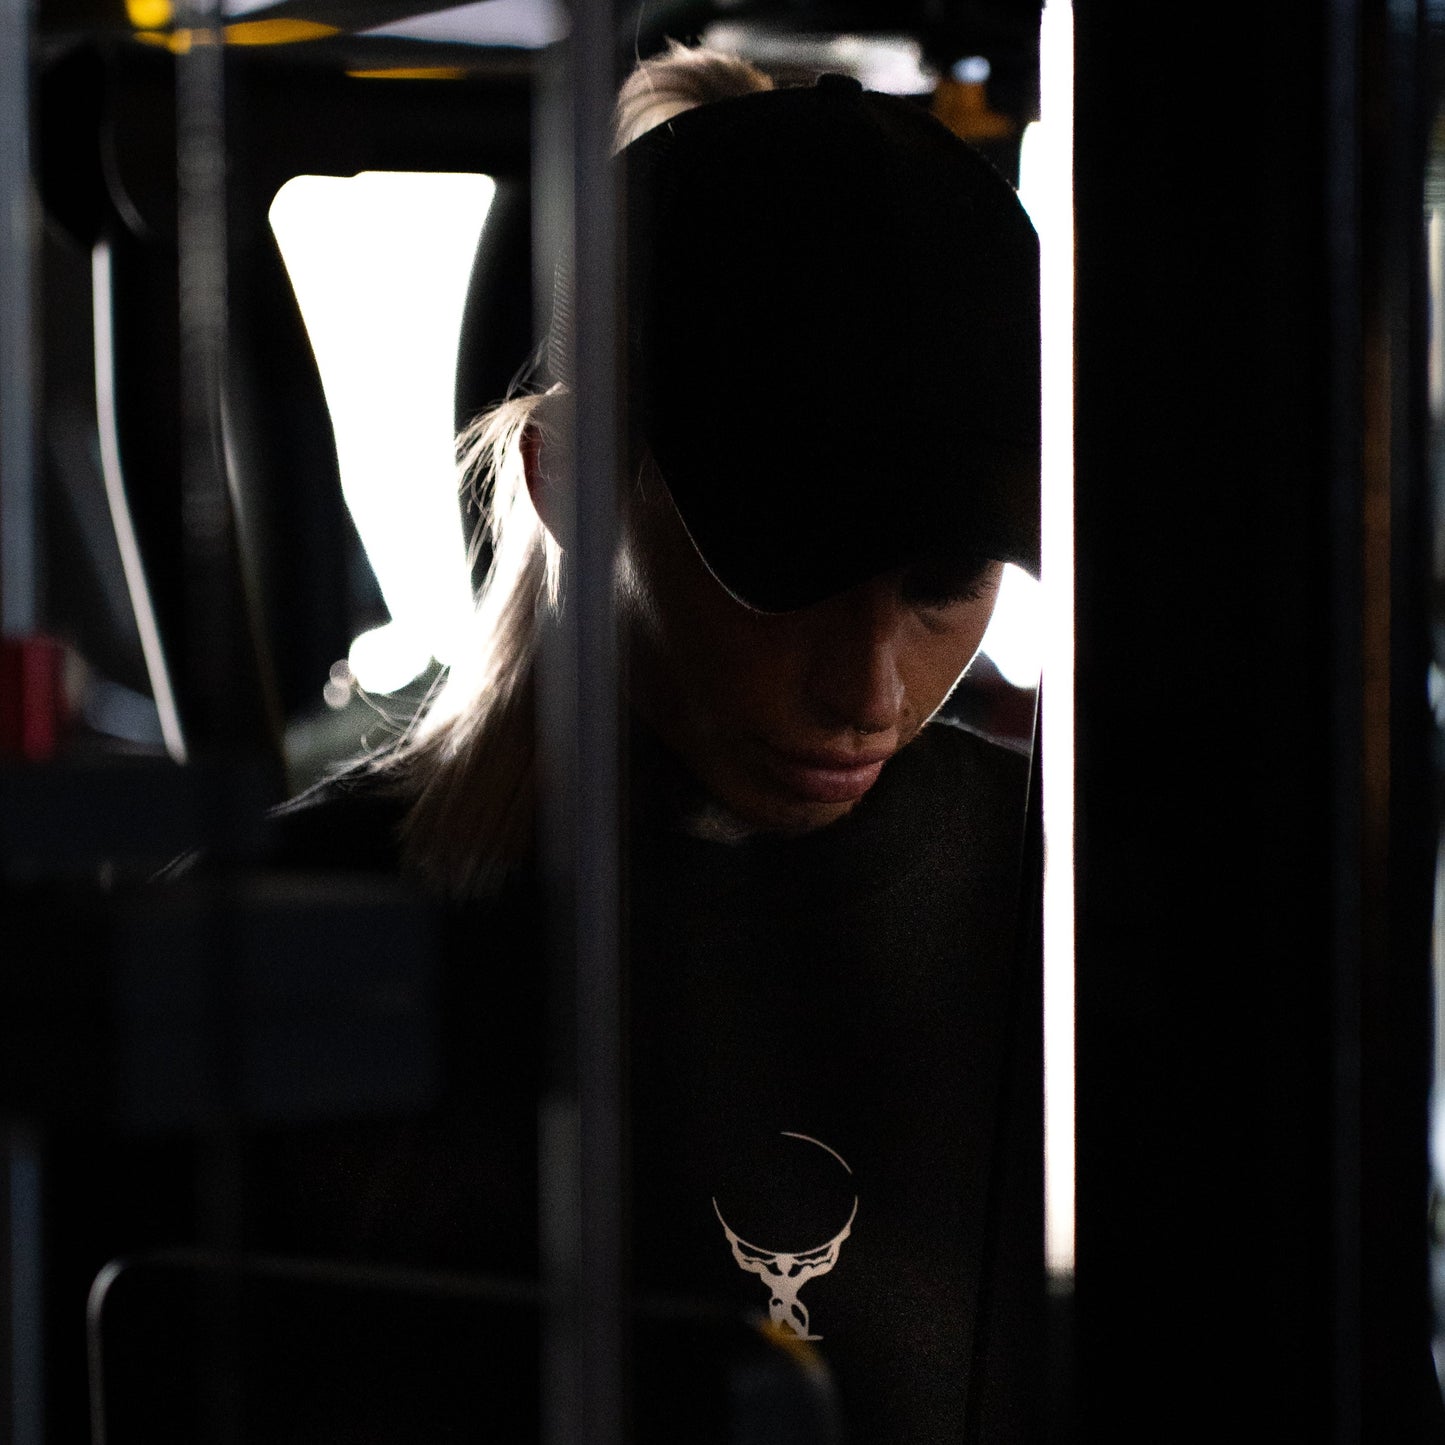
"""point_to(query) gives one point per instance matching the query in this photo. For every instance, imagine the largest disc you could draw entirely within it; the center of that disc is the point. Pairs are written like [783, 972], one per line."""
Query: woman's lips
[826, 777]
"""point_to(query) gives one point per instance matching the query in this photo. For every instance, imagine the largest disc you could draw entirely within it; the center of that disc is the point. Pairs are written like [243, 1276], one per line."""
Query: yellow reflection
[244, 32]
[277, 32]
[411, 72]
[178, 43]
[148, 14]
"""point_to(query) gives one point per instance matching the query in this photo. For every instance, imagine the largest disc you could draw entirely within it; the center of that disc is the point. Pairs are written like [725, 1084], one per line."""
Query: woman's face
[787, 718]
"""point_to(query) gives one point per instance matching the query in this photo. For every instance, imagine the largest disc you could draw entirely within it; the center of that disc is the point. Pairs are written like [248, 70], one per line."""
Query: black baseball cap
[832, 339]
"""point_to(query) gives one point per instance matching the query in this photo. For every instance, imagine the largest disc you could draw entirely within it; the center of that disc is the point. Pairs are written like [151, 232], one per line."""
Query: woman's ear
[542, 493]
[530, 443]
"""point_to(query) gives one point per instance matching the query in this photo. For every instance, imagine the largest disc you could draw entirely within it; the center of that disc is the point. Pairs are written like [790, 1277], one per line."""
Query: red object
[32, 697]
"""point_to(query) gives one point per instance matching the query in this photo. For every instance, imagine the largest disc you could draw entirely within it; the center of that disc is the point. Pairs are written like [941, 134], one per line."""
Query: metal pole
[1341, 122]
[22, 1421]
[212, 620]
[583, 1162]
[20, 553]
[215, 645]
[22, 1280]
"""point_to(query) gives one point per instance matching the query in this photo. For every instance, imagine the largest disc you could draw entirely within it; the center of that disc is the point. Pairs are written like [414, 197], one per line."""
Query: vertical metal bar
[201, 262]
[583, 1159]
[1395, 992]
[22, 1278]
[1342, 180]
[217, 647]
[22, 1379]
[20, 554]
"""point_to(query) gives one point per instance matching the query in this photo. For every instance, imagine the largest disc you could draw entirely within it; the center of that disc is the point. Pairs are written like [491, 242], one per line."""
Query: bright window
[380, 263]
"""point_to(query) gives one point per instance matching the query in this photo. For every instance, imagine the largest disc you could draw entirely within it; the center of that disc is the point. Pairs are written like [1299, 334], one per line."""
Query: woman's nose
[855, 680]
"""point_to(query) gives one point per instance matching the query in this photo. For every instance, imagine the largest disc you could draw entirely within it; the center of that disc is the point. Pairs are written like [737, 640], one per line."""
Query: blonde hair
[677, 80]
[468, 762]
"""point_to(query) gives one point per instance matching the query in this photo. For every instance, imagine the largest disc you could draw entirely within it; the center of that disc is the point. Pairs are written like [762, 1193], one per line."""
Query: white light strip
[1056, 239]
[527, 23]
[130, 558]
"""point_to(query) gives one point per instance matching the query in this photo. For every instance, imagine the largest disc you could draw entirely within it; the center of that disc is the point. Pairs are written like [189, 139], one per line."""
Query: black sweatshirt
[835, 1093]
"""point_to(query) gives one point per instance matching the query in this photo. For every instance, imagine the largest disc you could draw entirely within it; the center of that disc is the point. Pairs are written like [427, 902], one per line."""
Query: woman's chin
[767, 810]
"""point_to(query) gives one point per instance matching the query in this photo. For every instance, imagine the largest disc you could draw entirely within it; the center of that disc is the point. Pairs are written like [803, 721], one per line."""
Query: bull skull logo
[785, 1273]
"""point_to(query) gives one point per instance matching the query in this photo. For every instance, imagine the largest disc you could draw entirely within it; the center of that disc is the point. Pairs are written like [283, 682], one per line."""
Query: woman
[760, 470]
[833, 405]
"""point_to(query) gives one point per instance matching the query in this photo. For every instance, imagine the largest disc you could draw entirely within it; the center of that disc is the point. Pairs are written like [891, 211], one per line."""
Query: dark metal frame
[1255, 838]
[584, 1173]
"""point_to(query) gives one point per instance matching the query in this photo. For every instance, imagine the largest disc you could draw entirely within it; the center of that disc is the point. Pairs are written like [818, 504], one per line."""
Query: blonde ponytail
[468, 763]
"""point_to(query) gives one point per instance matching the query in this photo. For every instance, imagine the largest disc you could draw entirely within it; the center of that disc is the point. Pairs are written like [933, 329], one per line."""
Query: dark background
[1257, 789]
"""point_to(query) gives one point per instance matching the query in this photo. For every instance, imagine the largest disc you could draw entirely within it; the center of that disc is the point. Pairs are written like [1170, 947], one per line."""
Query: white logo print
[786, 1273]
